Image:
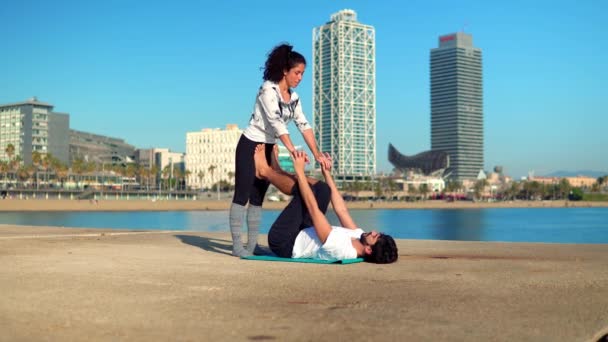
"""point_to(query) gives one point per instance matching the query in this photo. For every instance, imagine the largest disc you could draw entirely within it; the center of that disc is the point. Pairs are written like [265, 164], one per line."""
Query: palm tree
[424, 190]
[177, 175]
[200, 176]
[62, 172]
[4, 169]
[45, 162]
[479, 187]
[231, 180]
[166, 175]
[211, 169]
[10, 151]
[601, 180]
[36, 161]
[14, 166]
[25, 173]
[78, 167]
[187, 174]
[412, 190]
[154, 173]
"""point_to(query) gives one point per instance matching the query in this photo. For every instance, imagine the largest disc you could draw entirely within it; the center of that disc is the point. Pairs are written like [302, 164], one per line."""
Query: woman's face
[294, 75]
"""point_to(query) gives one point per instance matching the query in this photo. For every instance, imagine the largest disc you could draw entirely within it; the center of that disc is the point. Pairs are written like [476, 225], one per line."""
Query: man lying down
[303, 231]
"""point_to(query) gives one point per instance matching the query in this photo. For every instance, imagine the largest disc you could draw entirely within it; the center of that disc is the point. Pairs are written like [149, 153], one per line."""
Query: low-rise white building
[210, 156]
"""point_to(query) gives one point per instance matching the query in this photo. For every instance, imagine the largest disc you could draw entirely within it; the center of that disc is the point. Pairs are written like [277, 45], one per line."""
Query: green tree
[479, 188]
[564, 188]
[231, 180]
[200, 176]
[424, 190]
[412, 191]
[4, 169]
[10, 151]
[36, 161]
[576, 194]
[78, 168]
[186, 176]
[166, 174]
[211, 170]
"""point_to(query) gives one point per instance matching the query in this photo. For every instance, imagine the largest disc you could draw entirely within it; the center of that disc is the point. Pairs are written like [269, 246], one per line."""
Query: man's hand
[324, 159]
[327, 162]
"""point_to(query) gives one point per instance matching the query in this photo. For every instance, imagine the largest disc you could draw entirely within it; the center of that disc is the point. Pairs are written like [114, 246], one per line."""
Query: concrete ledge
[87, 284]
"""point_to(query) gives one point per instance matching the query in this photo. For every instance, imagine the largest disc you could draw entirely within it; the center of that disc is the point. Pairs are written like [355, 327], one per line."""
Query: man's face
[370, 238]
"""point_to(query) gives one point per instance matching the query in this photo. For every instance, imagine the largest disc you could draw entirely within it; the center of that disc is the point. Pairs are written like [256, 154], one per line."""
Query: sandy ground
[60, 284]
[141, 205]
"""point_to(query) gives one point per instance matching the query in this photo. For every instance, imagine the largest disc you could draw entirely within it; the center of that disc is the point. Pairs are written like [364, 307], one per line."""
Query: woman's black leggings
[248, 188]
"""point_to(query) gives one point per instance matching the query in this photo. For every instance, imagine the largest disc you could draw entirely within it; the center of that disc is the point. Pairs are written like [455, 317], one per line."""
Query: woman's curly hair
[281, 58]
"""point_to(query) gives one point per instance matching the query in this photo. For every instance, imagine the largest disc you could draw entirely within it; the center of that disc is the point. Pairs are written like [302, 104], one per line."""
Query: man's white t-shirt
[337, 246]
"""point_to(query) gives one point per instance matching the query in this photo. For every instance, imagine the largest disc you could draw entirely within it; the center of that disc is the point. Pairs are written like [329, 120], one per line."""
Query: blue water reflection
[565, 225]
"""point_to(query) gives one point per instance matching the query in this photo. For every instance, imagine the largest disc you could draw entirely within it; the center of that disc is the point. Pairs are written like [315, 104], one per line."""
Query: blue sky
[150, 71]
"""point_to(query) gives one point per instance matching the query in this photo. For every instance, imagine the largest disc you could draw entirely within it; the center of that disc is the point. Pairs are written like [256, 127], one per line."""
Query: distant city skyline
[149, 74]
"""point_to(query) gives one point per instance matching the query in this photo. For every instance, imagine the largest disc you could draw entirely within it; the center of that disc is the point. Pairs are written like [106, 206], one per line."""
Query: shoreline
[28, 205]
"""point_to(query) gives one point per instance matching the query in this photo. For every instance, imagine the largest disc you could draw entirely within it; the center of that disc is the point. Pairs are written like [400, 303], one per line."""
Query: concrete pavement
[63, 284]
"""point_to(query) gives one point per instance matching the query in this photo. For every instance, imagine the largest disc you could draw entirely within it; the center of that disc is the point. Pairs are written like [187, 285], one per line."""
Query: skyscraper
[344, 94]
[457, 104]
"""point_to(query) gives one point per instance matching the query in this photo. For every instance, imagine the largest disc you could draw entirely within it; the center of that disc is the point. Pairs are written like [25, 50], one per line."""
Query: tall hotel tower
[456, 104]
[344, 94]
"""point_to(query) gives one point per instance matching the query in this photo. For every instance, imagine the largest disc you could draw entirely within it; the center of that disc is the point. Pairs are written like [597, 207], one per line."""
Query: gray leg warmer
[236, 223]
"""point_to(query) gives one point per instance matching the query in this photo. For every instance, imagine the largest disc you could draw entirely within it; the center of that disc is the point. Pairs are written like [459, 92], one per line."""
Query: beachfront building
[210, 156]
[457, 104]
[148, 158]
[32, 126]
[574, 181]
[100, 149]
[344, 94]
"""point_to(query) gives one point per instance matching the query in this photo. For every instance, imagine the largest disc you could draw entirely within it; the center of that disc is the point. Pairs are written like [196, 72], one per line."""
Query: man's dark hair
[281, 58]
[384, 251]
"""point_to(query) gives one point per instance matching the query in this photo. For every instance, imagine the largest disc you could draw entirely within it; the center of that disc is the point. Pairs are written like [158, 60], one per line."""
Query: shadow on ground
[209, 244]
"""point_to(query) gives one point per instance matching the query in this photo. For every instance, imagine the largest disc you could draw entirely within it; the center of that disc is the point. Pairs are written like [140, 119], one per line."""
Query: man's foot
[275, 159]
[259, 157]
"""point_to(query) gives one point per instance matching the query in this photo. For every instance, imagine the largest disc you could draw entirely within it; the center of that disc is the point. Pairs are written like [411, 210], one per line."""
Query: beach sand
[61, 284]
[171, 205]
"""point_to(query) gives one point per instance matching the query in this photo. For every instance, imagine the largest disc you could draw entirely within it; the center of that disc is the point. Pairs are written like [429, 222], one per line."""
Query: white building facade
[210, 156]
[344, 94]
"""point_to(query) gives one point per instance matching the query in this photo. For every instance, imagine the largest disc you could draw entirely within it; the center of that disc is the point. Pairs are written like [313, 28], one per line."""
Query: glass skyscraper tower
[457, 104]
[344, 94]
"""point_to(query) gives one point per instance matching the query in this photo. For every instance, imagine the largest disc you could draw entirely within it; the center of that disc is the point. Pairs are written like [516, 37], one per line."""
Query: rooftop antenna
[464, 26]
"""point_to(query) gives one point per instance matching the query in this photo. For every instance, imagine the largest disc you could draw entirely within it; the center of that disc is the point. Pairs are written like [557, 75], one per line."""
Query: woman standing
[275, 106]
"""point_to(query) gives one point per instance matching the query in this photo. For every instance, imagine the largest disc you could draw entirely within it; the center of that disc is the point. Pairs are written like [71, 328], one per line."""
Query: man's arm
[319, 221]
[337, 201]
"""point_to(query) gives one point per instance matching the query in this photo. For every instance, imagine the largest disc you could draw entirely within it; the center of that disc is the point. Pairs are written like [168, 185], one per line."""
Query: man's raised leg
[282, 181]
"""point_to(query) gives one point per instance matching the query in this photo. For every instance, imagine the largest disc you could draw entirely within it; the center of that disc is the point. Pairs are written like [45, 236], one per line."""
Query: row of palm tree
[46, 169]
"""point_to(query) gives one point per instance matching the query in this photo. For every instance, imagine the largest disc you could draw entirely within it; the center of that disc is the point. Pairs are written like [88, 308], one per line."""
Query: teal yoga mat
[309, 261]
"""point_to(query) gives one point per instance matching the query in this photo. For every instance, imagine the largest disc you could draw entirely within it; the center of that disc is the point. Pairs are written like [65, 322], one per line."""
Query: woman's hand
[324, 159]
